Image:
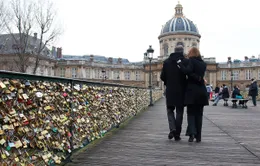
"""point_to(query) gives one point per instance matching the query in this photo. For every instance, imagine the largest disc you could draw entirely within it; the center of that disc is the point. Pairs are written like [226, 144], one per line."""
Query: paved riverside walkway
[230, 137]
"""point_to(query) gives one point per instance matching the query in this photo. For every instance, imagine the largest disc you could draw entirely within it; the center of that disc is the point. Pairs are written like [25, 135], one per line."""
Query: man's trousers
[175, 123]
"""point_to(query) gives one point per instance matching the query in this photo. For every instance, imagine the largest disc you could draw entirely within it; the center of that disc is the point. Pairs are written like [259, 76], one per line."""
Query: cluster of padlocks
[43, 122]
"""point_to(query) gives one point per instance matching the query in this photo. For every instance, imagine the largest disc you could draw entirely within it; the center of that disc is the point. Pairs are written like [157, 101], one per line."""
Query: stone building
[179, 30]
[241, 72]
[99, 68]
[18, 53]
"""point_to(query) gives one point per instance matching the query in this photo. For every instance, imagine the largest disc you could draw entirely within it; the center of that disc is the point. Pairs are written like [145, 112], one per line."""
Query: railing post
[150, 83]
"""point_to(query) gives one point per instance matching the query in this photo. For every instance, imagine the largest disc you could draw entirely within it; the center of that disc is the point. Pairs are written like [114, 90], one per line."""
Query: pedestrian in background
[223, 94]
[253, 91]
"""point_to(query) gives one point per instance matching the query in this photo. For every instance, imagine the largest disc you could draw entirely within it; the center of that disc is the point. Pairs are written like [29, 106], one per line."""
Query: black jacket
[236, 92]
[174, 79]
[196, 92]
[253, 89]
[224, 93]
[217, 90]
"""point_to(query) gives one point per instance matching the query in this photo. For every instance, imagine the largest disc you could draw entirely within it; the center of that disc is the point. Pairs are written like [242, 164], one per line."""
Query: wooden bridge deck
[230, 137]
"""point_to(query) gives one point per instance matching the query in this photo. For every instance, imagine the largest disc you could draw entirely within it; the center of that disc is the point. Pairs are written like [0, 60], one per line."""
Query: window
[259, 74]
[194, 44]
[248, 74]
[127, 75]
[137, 75]
[223, 75]
[165, 48]
[42, 71]
[116, 75]
[49, 71]
[180, 43]
[62, 72]
[236, 75]
[88, 73]
[74, 71]
[98, 74]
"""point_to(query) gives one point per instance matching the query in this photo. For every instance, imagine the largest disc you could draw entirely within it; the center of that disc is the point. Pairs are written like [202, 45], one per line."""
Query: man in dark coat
[175, 82]
[253, 91]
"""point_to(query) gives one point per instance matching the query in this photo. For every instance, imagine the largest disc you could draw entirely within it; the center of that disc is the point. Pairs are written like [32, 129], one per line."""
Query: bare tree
[28, 17]
[3, 15]
[45, 22]
[22, 23]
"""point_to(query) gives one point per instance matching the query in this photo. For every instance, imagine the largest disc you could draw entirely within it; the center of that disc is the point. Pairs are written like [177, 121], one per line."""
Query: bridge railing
[44, 119]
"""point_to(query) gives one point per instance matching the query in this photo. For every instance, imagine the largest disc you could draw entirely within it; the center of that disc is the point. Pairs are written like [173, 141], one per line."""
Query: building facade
[18, 52]
[179, 30]
[238, 72]
[100, 68]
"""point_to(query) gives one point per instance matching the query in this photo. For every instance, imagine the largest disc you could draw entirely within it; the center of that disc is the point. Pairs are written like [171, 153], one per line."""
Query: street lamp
[231, 72]
[149, 55]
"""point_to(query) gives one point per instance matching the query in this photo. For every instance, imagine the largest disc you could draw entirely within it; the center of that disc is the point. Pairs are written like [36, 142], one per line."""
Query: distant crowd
[223, 93]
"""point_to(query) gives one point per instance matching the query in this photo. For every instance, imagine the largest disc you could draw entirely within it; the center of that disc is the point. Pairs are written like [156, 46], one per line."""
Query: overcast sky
[126, 28]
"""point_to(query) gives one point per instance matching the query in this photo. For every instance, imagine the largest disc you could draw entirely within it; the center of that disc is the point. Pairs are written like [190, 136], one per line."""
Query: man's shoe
[198, 140]
[214, 105]
[171, 135]
[177, 138]
[191, 139]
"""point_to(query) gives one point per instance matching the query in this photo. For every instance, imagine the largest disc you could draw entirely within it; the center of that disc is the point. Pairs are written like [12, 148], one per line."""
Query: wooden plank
[230, 137]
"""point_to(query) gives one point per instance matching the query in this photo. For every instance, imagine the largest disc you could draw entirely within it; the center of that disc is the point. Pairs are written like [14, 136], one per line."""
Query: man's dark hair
[178, 48]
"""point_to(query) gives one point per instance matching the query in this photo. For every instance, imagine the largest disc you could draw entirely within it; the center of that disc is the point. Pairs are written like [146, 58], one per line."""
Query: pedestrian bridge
[51, 121]
[229, 137]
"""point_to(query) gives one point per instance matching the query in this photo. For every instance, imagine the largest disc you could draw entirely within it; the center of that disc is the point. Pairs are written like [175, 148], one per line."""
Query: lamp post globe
[150, 51]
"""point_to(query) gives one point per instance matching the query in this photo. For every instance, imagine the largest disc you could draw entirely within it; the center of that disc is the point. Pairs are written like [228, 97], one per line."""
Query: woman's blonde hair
[194, 52]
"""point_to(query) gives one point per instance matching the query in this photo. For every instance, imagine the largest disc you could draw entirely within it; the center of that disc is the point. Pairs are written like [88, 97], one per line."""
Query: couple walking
[184, 81]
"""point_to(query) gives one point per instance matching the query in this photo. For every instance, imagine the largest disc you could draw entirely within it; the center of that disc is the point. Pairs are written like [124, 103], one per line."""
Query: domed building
[179, 30]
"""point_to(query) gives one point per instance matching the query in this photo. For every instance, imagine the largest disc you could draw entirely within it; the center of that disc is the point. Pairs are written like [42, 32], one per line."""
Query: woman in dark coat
[195, 94]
